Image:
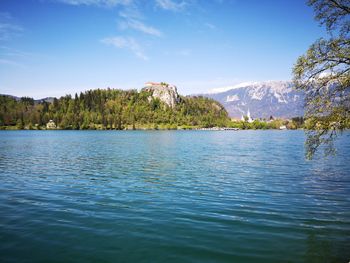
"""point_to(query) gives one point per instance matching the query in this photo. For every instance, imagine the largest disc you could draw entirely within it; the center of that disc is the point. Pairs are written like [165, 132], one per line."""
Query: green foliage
[111, 109]
[265, 125]
[119, 109]
[324, 74]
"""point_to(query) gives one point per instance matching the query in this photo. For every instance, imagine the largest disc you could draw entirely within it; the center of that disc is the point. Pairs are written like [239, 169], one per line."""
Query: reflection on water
[324, 250]
[178, 196]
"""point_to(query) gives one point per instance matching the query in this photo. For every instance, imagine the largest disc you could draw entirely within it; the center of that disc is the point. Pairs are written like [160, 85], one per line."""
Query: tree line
[110, 109]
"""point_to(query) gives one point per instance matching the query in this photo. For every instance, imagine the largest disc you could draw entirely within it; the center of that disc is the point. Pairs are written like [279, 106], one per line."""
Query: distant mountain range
[47, 99]
[262, 99]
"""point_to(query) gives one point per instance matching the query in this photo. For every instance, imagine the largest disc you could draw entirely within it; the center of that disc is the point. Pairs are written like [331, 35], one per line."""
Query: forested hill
[110, 109]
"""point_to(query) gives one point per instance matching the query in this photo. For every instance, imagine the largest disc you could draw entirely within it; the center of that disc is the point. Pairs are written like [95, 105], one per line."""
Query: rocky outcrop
[165, 92]
[262, 99]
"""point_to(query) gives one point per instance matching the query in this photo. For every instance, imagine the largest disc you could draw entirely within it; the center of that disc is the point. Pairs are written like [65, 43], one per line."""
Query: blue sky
[58, 47]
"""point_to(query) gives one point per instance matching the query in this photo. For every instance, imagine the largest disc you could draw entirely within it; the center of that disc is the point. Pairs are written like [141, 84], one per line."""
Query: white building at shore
[250, 120]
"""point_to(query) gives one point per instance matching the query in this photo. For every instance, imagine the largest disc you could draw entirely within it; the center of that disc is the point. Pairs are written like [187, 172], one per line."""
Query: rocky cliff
[165, 92]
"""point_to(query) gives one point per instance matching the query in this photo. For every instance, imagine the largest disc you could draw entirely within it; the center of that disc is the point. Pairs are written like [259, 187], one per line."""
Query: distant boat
[283, 127]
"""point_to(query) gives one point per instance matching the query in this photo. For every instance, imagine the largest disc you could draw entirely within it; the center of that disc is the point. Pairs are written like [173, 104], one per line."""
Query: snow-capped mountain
[262, 99]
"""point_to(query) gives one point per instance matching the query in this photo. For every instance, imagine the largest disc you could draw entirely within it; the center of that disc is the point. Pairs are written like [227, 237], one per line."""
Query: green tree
[323, 72]
[111, 109]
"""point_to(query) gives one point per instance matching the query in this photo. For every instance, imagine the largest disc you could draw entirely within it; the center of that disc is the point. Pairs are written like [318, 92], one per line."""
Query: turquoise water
[171, 196]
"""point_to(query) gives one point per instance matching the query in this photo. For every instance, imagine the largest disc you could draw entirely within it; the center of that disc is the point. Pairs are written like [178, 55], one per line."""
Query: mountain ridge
[263, 99]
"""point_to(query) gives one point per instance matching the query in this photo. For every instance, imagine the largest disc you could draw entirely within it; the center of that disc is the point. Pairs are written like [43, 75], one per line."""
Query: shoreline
[152, 129]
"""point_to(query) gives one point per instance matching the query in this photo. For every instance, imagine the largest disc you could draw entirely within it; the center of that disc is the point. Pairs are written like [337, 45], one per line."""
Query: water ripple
[175, 196]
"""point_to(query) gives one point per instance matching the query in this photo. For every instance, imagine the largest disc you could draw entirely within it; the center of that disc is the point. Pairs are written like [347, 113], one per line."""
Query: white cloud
[126, 43]
[8, 28]
[131, 19]
[131, 12]
[171, 5]
[139, 26]
[7, 31]
[9, 62]
[108, 3]
[184, 52]
[5, 15]
[15, 53]
[209, 25]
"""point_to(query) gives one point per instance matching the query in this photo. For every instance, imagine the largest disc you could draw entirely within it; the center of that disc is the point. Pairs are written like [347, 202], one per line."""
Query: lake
[171, 196]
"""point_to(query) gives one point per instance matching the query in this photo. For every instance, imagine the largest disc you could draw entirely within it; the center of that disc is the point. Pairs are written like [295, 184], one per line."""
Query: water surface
[171, 196]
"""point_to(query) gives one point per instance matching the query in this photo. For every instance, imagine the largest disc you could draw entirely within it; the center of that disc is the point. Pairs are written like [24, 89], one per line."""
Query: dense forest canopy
[110, 109]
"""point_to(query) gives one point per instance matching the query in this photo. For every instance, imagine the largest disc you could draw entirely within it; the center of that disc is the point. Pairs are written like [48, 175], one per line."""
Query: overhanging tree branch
[323, 73]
